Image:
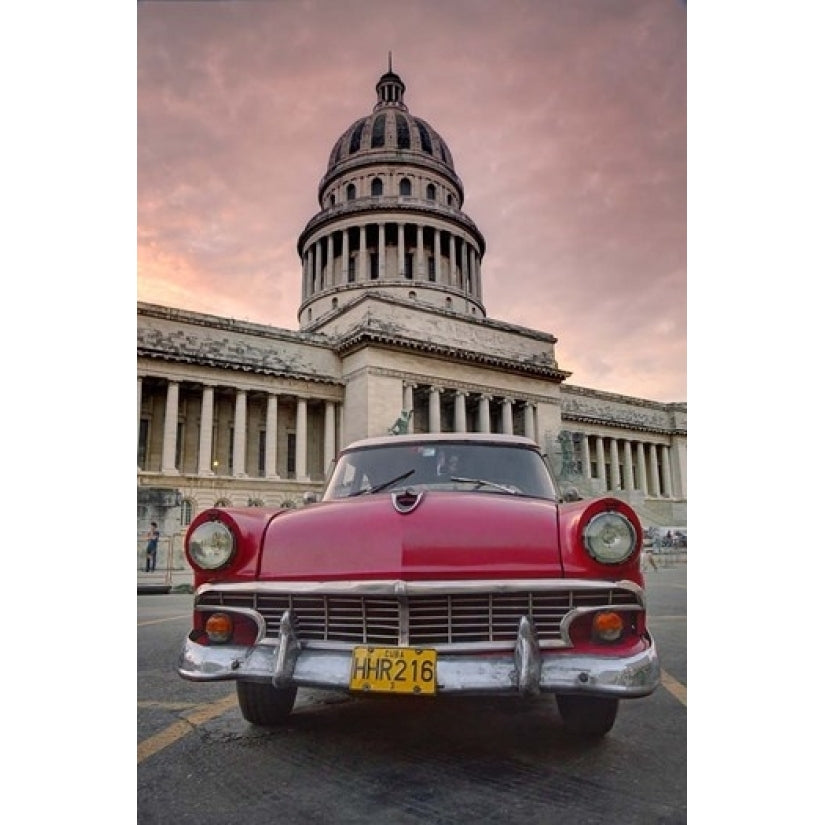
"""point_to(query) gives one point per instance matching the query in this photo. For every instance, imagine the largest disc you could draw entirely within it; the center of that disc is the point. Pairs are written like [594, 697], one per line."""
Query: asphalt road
[387, 761]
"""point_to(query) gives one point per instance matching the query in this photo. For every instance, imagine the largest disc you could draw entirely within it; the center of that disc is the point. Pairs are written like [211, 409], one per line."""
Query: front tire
[590, 716]
[264, 704]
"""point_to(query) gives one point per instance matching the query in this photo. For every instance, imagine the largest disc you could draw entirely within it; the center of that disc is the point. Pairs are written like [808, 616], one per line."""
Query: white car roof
[437, 438]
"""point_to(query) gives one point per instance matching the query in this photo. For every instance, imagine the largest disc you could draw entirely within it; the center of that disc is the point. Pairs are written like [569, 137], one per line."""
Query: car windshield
[501, 469]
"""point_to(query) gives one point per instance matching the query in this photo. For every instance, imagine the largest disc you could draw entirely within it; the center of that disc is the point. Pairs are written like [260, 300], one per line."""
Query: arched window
[405, 187]
[335, 303]
[449, 200]
[412, 294]
[430, 192]
[185, 512]
[378, 132]
[376, 188]
[332, 200]
[403, 131]
[255, 502]
[351, 192]
[355, 139]
[426, 145]
[223, 502]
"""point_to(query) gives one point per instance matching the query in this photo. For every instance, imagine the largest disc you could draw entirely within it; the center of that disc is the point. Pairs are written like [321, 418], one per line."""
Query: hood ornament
[406, 501]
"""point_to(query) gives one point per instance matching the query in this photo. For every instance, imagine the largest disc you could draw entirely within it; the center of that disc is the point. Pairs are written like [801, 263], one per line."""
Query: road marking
[168, 705]
[205, 713]
[199, 716]
[677, 689]
[168, 619]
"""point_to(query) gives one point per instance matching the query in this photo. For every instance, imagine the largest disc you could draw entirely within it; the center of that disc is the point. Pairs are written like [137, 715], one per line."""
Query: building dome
[392, 128]
[391, 221]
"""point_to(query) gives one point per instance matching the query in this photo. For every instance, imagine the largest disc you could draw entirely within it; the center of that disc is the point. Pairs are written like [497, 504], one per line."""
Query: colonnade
[240, 434]
[335, 259]
[482, 403]
[626, 464]
[619, 463]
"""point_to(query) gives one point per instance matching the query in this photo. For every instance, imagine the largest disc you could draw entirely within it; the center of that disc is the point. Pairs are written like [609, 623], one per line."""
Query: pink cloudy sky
[566, 120]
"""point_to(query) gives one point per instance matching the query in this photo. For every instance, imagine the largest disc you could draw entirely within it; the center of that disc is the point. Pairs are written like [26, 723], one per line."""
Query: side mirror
[570, 494]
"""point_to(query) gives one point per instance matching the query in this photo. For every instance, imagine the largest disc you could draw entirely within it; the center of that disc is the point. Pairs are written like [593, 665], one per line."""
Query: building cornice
[366, 335]
[186, 316]
[368, 294]
[401, 157]
[597, 408]
[383, 207]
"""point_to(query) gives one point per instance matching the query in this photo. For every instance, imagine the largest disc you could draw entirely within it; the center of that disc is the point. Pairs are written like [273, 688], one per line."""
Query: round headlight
[211, 545]
[609, 538]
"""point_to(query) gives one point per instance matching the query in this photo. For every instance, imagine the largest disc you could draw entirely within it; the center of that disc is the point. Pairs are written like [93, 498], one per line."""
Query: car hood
[446, 535]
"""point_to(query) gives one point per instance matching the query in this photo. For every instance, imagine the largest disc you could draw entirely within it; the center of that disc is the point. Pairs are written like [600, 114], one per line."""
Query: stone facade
[393, 332]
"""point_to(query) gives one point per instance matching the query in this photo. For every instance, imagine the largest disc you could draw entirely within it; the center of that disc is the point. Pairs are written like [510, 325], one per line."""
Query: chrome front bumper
[525, 670]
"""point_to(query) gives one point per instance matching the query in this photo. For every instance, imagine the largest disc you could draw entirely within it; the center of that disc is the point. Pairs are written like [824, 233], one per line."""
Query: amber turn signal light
[607, 626]
[219, 628]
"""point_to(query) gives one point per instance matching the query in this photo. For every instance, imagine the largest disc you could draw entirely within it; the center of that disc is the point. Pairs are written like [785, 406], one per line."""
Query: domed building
[393, 337]
[391, 218]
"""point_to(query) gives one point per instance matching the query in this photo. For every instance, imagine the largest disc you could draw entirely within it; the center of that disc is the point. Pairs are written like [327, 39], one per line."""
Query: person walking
[152, 547]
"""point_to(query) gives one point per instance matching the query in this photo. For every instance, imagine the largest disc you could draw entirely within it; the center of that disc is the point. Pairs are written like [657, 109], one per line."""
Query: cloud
[566, 120]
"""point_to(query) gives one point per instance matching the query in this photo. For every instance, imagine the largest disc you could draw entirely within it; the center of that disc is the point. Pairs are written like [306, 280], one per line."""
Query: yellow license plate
[393, 670]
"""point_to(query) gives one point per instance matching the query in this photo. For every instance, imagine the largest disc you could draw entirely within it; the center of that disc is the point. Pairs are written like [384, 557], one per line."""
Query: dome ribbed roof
[390, 128]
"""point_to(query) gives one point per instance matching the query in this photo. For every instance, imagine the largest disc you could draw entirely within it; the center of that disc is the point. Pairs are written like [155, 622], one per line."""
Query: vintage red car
[433, 564]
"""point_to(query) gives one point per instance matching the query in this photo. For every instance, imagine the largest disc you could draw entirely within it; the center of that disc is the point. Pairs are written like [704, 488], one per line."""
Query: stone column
[507, 416]
[319, 272]
[628, 466]
[329, 434]
[205, 440]
[400, 231]
[640, 467]
[484, 413]
[362, 254]
[170, 430]
[615, 476]
[435, 409]
[301, 441]
[655, 488]
[382, 250]
[668, 491]
[308, 273]
[460, 424]
[239, 440]
[452, 265]
[530, 420]
[271, 441]
[409, 405]
[437, 255]
[471, 270]
[465, 274]
[601, 469]
[345, 256]
[419, 252]
[586, 455]
[139, 402]
[330, 261]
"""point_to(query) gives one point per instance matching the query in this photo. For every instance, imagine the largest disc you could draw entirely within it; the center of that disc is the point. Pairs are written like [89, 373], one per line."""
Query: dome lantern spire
[390, 89]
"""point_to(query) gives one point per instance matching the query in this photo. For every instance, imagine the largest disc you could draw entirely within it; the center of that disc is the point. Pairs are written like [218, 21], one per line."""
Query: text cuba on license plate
[393, 670]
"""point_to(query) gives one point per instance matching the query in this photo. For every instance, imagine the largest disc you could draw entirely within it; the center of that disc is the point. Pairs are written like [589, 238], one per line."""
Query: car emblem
[406, 501]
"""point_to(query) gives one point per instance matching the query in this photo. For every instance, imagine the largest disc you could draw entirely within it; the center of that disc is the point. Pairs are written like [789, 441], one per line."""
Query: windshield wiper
[378, 487]
[483, 482]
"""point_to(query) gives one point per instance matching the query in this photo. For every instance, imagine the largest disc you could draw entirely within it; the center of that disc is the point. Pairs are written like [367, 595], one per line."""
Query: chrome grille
[420, 619]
